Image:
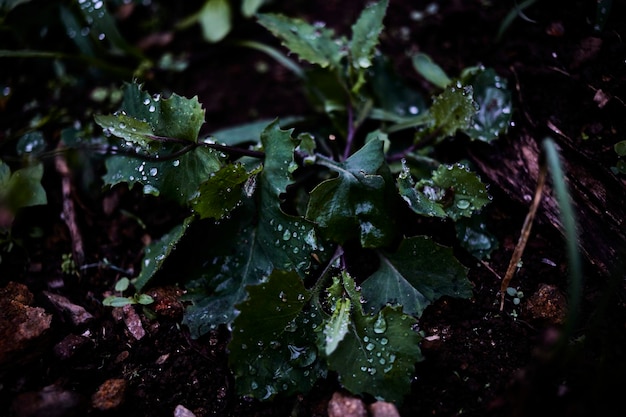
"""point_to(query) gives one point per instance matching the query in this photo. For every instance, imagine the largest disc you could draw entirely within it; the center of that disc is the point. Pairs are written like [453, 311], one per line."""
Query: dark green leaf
[273, 346]
[157, 252]
[215, 20]
[475, 238]
[353, 204]
[417, 201]
[419, 273]
[494, 104]
[313, 43]
[620, 148]
[469, 193]
[365, 33]
[337, 326]
[222, 192]
[31, 143]
[453, 110]
[391, 92]
[378, 352]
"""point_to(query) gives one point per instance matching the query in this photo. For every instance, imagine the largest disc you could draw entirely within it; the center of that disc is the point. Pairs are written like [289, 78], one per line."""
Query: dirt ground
[480, 361]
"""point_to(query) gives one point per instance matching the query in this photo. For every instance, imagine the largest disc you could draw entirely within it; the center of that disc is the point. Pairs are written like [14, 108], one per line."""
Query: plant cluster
[283, 215]
[306, 230]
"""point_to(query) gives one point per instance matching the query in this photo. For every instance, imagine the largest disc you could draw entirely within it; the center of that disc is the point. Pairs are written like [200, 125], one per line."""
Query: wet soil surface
[479, 361]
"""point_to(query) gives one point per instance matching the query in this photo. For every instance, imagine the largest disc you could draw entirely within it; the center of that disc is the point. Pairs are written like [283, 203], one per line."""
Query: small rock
[51, 401]
[167, 302]
[133, 322]
[383, 409]
[547, 304]
[343, 406]
[22, 327]
[70, 345]
[110, 394]
[76, 314]
[181, 411]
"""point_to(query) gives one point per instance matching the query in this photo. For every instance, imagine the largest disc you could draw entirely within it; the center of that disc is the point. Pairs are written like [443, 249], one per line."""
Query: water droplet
[384, 341]
[146, 101]
[463, 204]
[300, 297]
[254, 385]
[279, 227]
[244, 346]
[282, 296]
[286, 235]
[176, 163]
[101, 36]
[380, 325]
[370, 346]
[291, 327]
[302, 356]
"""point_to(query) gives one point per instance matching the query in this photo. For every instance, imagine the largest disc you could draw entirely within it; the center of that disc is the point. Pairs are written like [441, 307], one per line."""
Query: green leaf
[419, 273]
[177, 179]
[273, 346]
[337, 327]
[222, 192]
[114, 301]
[365, 33]
[353, 204]
[250, 7]
[312, 43]
[215, 20]
[247, 132]
[21, 188]
[470, 194]
[148, 125]
[620, 148]
[392, 94]
[494, 104]
[264, 238]
[378, 353]
[453, 110]
[425, 66]
[122, 284]
[417, 200]
[157, 252]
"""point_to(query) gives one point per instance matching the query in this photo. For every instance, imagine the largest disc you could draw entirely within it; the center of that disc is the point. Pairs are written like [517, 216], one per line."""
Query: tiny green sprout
[120, 301]
[68, 266]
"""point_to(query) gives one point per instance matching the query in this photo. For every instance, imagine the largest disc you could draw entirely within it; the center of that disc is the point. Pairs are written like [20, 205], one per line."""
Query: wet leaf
[378, 353]
[21, 188]
[494, 104]
[416, 275]
[313, 43]
[353, 203]
[222, 192]
[417, 200]
[337, 327]
[393, 95]
[273, 346]
[365, 33]
[262, 238]
[157, 252]
[453, 110]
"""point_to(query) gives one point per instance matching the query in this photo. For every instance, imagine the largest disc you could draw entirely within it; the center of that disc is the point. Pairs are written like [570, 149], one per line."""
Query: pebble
[181, 411]
[547, 304]
[383, 409]
[51, 401]
[22, 327]
[75, 314]
[341, 405]
[110, 395]
[70, 345]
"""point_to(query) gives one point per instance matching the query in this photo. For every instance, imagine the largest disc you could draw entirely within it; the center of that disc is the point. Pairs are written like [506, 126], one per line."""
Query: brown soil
[479, 361]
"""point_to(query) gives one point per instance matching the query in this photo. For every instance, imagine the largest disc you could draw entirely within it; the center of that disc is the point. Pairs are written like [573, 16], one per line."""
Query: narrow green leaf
[365, 33]
[114, 301]
[425, 66]
[157, 252]
[337, 326]
[273, 346]
[312, 43]
[378, 353]
[416, 275]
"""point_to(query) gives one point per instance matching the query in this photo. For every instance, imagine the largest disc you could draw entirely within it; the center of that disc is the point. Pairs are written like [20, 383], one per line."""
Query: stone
[383, 409]
[22, 327]
[110, 395]
[77, 315]
[181, 411]
[547, 304]
[70, 345]
[341, 405]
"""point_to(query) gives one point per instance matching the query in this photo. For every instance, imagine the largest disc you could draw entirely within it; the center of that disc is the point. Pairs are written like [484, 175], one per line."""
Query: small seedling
[120, 301]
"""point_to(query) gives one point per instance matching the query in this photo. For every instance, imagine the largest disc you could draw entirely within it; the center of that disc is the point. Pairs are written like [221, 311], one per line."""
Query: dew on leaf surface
[380, 326]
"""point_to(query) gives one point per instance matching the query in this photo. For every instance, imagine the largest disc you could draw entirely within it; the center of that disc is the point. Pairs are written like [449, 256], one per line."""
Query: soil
[479, 361]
